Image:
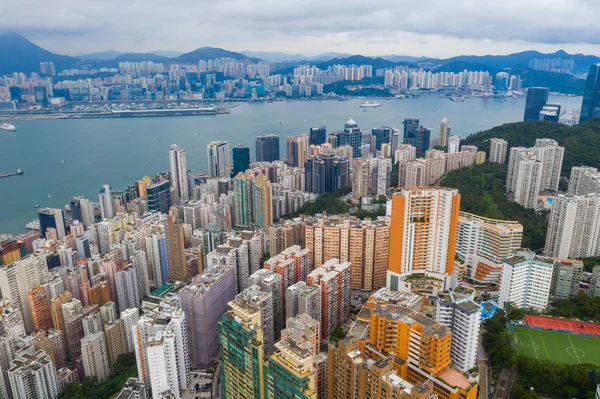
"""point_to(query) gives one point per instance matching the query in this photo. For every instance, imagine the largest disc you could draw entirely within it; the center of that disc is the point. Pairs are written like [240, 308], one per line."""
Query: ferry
[368, 104]
[8, 126]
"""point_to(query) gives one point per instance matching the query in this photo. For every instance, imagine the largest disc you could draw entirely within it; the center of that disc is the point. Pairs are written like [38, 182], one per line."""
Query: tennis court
[560, 347]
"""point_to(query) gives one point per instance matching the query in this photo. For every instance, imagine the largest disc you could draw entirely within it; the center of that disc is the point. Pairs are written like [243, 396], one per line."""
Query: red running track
[551, 323]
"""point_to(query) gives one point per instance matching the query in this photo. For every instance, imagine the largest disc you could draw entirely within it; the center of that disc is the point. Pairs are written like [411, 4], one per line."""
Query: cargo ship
[17, 173]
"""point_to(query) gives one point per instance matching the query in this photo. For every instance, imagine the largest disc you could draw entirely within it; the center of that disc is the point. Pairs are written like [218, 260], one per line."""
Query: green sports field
[557, 346]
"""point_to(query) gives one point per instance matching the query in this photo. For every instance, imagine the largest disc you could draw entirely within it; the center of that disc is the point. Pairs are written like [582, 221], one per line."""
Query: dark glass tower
[159, 196]
[422, 140]
[241, 159]
[318, 135]
[267, 148]
[326, 173]
[537, 97]
[410, 131]
[382, 135]
[590, 106]
[352, 136]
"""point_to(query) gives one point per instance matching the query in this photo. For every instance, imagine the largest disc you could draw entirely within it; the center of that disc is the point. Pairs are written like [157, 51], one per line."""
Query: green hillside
[581, 141]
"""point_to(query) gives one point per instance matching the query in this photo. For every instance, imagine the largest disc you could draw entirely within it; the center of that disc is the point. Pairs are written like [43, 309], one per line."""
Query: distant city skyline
[442, 29]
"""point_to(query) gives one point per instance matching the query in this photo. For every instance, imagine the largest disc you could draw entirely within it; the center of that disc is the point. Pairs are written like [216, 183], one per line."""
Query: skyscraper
[584, 180]
[52, 218]
[537, 97]
[352, 136]
[106, 202]
[382, 135]
[526, 280]
[95, 356]
[175, 240]
[219, 164]
[204, 301]
[318, 135]
[590, 106]
[297, 150]
[267, 148]
[410, 131]
[262, 203]
[423, 230]
[40, 309]
[179, 174]
[241, 159]
[422, 140]
[326, 173]
[444, 133]
[33, 376]
[159, 196]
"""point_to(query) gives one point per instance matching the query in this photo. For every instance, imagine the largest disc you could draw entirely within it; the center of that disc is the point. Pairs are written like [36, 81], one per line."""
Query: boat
[62, 161]
[368, 104]
[8, 126]
[35, 204]
[17, 173]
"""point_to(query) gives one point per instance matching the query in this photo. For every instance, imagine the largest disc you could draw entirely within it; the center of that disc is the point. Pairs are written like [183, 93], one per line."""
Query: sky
[433, 28]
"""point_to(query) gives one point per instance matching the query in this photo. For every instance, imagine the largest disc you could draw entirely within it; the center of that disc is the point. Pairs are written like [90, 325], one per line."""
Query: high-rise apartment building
[533, 170]
[219, 164]
[444, 133]
[364, 244]
[175, 240]
[179, 174]
[405, 153]
[410, 131]
[383, 135]
[116, 340]
[352, 136]
[267, 148]
[326, 173]
[333, 279]
[300, 298]
[33, 376]
[318, 135]
[162, 351]
[422, 140]
[204, 301]
[590, 106]
[272, 283]
[95, 356]
[130, 319]
[566, 278]
[537, 98]
[371, 176]
[482, 243]
[457, 310]
[498, 149]
[285, 234]
[584, 180]
[242, 341]
[126, 284]
[423, 229]
[241, 158]
[298, 150]
[526, 280]
[262, 203]
[40, 309]
[574, 227]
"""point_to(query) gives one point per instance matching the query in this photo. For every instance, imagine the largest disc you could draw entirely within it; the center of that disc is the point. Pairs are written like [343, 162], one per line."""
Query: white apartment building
[533, 170]
[584, 180]
[526, 280]
[498, 149]
[179, 174]
[95, 356]
[33, 376]
[457, 310]
[574, 227]
[130, 318]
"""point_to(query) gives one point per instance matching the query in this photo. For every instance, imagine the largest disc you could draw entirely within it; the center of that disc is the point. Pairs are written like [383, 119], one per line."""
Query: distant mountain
[136, 57]
[101, 55]
[273, 56]
[582, 62]
[166, 53]
[17, 54]
[329, 56]
[560, 82]
[402, 58]
[210, 53]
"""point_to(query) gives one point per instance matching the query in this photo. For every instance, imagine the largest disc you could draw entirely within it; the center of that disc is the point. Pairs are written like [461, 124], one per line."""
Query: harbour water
[119, 151]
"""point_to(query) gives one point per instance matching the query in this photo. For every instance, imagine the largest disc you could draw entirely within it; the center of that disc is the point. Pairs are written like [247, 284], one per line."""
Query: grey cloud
[78, 25]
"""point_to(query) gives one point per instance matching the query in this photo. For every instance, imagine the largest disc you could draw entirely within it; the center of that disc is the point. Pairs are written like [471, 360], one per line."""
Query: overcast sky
[437, 28]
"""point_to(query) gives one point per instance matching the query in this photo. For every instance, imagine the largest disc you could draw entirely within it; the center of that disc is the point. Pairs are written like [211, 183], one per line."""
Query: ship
[368, 104]
[8, 126]
[17, 173]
